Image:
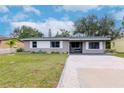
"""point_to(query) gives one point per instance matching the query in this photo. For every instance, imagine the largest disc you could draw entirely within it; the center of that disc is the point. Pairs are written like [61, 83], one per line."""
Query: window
[34, 44]
[93, 45]
[75, 44]
[55, 44]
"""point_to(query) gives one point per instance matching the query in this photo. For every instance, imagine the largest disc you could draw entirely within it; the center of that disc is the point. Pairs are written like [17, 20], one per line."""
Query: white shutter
[30, 45]
[101, 45]
[61, 44]
[87, 45]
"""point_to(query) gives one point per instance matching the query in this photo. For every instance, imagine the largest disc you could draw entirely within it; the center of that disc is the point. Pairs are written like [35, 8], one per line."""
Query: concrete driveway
[92, 71]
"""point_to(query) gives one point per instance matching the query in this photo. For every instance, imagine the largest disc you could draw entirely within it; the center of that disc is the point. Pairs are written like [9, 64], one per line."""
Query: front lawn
[31, 70]
[119, 55]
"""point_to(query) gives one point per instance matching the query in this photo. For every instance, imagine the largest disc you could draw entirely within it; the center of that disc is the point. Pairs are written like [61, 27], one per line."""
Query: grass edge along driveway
[119, 55]
[31, 70]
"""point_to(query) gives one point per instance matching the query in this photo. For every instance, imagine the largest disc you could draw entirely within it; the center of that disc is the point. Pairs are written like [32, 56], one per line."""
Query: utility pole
[50, 33]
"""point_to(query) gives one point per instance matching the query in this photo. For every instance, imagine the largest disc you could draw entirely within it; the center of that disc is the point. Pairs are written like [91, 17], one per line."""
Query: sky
[54, 17]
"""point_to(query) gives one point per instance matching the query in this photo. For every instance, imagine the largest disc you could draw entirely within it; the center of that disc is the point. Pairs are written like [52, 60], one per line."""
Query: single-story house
[118, 44]
[3, 43]
[83, 45]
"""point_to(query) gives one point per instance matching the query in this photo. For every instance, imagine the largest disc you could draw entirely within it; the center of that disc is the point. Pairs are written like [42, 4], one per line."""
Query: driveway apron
[90, 71]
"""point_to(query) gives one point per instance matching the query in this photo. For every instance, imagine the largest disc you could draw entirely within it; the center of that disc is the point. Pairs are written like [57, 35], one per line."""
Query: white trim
[61, 44]
[94, 49]
[100, 45]
[87, 45]
[30, 44]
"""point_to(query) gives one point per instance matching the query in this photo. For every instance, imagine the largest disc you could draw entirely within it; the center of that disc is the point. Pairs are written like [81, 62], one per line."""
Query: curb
[60, 83]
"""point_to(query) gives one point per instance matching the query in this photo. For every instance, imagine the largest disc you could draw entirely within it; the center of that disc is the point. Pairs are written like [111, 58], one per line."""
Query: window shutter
[101, 45]
[87, 45]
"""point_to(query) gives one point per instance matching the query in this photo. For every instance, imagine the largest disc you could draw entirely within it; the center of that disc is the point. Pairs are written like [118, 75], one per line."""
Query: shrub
[55, 52]
[65, 52]
[33, 52]
[38, 52]
[110, 51]
[108, 45]
[41, 52]
[20, 50]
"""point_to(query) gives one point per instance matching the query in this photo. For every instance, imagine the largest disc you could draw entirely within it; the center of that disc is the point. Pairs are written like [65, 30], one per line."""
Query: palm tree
[11, 43]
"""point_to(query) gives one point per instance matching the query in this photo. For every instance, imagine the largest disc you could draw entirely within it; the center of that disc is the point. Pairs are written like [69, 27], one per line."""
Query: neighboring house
[3, 43]
[118, 44]
[83, 45]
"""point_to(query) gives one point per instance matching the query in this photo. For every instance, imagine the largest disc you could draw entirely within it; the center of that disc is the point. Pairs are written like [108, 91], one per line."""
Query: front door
[75, 47]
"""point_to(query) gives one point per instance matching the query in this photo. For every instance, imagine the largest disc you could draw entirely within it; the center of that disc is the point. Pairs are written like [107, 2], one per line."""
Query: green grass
[31, 70]
[119, 55]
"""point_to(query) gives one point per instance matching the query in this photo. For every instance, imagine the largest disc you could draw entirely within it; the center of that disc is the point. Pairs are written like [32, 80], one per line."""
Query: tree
[11, 43]
[122, 23]
[26, 32]
[87, 25]
[121, 33]
[92, 26]
[57, 34]
[64, 33]
[106, 26]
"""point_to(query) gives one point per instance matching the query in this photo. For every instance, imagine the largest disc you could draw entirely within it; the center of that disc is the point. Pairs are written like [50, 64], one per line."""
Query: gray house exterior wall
[65, 48]
[27, 45]
[93, 51]
[66, 45]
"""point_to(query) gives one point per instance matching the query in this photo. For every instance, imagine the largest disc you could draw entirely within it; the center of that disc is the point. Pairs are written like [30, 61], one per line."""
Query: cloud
[66, 17]
[53, 24]
[5, 19]
[75, 8]
[30, 9]
[4, 9]
[19, 16]
[118, 14]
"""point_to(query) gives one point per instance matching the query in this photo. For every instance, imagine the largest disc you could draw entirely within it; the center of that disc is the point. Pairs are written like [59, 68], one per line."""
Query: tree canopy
[94, 26]
[64, 33]
[26, 32]
[122, 28]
